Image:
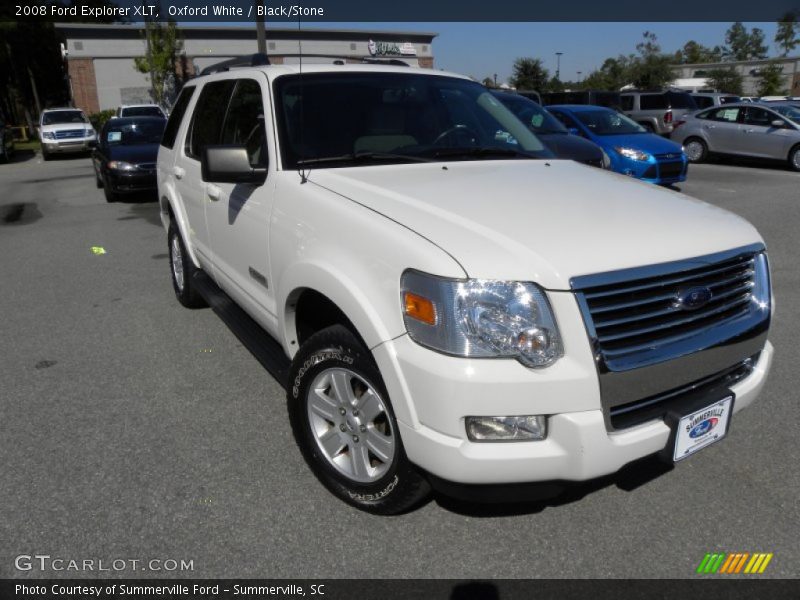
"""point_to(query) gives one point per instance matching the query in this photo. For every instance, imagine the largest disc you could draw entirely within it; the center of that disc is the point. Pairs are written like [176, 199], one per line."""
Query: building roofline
[100, 31]
[734, 63]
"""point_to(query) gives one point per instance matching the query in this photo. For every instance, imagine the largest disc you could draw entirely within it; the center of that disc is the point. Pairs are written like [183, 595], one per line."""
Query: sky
[483, 49]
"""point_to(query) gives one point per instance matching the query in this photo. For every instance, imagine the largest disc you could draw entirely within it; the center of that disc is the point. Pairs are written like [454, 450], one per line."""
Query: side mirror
[777, 123]
[230, 164]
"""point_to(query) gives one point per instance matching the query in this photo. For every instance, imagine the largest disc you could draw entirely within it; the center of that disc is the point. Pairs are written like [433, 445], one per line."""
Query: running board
[261, 345]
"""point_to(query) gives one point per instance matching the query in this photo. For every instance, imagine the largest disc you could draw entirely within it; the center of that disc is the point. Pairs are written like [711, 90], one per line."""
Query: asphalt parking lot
[132, 428]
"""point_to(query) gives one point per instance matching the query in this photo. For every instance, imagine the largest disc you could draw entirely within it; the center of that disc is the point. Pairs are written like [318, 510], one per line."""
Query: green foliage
[693, 53]
[165, 45]
[725, 80]
[651, 69]
[99, 119]
[612, 75]
[529, 74]
[744, 45]
[771, 80]
[787, 36]
[488, 82]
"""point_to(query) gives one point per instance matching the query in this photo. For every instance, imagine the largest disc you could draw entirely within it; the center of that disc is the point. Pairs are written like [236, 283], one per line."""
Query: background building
[749, 70]
[102, 74]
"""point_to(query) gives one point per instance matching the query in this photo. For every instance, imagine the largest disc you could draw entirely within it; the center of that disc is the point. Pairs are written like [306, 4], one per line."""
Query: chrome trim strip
[611, 277]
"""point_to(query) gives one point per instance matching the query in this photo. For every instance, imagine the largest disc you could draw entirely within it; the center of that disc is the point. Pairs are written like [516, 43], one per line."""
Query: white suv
[457, 305]
[65, 130]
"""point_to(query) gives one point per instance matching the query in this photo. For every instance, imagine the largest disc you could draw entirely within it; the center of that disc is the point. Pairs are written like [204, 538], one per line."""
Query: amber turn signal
[420, 308]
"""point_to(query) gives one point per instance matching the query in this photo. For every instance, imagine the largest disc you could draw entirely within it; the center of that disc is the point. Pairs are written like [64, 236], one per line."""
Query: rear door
[759, 137]
[238, 214]
[721, 129]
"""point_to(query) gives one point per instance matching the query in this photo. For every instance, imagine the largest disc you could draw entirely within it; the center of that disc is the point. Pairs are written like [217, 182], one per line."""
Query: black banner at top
[332, 11]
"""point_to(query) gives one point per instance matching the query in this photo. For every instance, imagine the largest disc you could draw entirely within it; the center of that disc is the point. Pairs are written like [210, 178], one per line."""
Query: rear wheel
[182, 271]
[696, 150]
[345, 427]
[794, 158]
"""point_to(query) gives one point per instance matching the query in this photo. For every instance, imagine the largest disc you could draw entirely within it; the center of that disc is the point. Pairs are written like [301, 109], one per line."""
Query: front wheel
[696, 150]
[182, 271]
[345, 428]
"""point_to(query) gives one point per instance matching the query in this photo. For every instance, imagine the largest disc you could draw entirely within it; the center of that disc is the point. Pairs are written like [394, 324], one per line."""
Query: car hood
[539, 220]
[571, 147]
[135, 154]
[649, 142]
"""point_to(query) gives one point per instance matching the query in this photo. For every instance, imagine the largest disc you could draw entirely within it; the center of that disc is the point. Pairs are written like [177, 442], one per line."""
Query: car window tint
[758, 116]
[208, 115]
[568, 122]
[703, 101]
[244, 123]
[627, 103]
[652, 101]
[175, 118]
[729, 115]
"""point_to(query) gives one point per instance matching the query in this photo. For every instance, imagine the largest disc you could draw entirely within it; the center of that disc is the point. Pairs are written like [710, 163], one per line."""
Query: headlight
[118, 165]
[606, 160]
[632, 153]
[48, 135]
[481, 318]
[89, 132]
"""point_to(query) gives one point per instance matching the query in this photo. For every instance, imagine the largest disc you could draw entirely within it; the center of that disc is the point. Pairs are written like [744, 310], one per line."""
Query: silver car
[742, 129]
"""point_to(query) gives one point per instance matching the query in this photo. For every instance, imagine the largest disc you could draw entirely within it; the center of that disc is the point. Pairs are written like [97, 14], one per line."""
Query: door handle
[179, 172]
[749, 130]
[709, 126]
[213, 191]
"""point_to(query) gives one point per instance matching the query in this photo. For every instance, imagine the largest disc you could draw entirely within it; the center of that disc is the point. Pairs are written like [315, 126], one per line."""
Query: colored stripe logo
[734, 563]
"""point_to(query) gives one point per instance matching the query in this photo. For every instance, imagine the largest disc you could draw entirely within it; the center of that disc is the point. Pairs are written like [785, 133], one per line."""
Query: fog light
[507, 429]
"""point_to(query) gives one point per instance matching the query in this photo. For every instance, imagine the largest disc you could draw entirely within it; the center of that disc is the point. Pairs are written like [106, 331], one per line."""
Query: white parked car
[456, 304]
[65, 130]
[140, 110]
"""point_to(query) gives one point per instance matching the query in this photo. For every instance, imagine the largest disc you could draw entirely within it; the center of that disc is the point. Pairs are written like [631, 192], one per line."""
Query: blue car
[631, 149]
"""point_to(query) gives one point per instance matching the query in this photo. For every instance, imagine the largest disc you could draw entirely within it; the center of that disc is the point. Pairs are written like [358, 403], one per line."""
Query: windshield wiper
[357, 157]
[480, 152]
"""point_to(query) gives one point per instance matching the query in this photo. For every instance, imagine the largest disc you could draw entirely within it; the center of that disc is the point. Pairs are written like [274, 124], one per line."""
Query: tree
[164, 47]
[693, 53]
[744, 45]
[488, 82]
[771, 80]
[651, 69]
[725, 80]
[612, 75]
[555, 85]
[787, 36]
[529, 74]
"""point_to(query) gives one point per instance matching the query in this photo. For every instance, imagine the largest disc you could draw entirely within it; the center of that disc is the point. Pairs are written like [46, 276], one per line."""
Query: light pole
[495, 80]
[579, 76]
[261, 37]
[558, 65]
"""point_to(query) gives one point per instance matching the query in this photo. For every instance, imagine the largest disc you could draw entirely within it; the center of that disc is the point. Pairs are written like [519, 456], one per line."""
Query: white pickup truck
[456, 304]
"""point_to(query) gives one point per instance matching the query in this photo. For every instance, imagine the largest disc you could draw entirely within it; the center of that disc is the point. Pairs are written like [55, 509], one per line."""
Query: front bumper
[653, 170]
[67, 146]
[131, 182]
[433, 393]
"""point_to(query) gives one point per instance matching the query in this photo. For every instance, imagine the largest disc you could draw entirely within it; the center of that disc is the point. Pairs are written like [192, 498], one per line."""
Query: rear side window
[680, 100]
[652, 102]
[729, 99]
[703, 101]
[174, 123]
[209, 113]
[729, 115]
[627, 102]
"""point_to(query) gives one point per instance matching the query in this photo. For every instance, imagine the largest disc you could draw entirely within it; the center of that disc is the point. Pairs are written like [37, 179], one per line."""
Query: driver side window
[244, 122]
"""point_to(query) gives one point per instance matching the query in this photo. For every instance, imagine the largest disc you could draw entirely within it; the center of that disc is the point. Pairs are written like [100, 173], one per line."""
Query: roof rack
[250, 60]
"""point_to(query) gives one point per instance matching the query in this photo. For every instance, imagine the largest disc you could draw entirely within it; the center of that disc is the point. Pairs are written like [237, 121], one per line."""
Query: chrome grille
[69, 133]
[637, 314]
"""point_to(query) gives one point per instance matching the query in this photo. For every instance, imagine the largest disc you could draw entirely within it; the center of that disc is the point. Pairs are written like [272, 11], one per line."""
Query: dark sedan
[551, 132]
[126, 154]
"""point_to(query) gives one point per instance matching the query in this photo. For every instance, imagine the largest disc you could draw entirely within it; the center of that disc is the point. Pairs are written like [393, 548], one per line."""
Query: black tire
[794, 158]
[185, 292]
[110, 195]
[702, 149]
[98, 181]
[400, 487]
[45, 155]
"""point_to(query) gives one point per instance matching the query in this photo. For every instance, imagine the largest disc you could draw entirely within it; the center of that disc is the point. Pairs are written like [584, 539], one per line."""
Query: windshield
[131, 134]
[533, 115]
[790, 112]
[608, 122]
[340, 118]
[142, 111]
[63, 116]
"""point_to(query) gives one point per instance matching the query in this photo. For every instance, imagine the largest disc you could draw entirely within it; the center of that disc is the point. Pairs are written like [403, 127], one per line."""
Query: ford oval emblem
[693, 298]
[703, 427]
